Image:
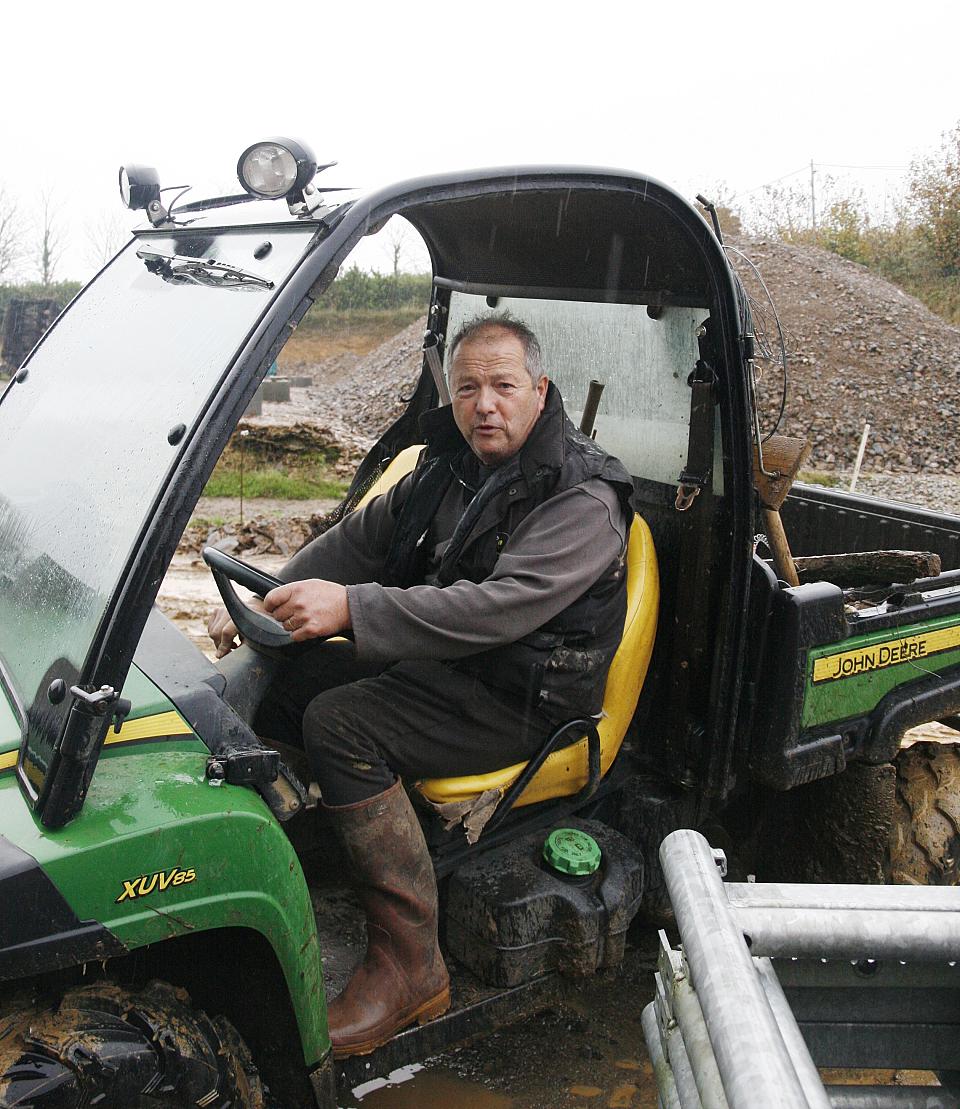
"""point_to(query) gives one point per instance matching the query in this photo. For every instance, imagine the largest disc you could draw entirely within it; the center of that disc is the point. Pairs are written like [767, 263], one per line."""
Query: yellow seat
[565, 771]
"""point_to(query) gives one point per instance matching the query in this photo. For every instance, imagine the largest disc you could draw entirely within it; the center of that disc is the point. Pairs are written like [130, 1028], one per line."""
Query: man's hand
[223, 631]
[309, 609]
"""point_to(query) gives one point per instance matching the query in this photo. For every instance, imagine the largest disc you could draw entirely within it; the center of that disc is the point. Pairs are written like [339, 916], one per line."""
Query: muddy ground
[590, 1052]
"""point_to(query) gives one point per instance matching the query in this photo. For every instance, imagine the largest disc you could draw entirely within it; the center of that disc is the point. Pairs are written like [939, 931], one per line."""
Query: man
[486, 595]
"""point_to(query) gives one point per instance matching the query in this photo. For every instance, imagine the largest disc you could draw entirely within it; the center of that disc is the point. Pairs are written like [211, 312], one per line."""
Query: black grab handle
[583, 724]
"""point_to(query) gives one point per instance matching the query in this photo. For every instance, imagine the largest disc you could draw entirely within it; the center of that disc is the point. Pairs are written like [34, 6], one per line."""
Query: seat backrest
[398, 467]
[565, 771]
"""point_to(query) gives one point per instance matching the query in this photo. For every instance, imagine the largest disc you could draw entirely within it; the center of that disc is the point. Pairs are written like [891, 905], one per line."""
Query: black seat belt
[694, 502]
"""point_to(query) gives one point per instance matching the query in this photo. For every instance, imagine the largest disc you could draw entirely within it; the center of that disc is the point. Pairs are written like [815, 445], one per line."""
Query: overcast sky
[691, 93]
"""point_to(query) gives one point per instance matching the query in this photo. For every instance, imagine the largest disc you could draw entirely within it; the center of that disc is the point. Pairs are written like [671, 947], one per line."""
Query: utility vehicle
[171, 910]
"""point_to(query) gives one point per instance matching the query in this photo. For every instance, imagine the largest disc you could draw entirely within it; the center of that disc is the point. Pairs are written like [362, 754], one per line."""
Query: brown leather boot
[402, 978]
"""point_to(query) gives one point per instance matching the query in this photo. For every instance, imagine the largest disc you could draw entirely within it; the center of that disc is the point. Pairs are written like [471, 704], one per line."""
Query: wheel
[103, 1045]
[925, 842]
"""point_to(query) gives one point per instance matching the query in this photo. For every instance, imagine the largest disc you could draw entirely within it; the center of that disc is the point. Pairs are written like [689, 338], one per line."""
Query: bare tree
[11, 234]
[105, 233]
[396, 243]
[50, 245]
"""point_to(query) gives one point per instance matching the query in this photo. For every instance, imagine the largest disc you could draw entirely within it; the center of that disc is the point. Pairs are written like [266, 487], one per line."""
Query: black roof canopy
[598, 233]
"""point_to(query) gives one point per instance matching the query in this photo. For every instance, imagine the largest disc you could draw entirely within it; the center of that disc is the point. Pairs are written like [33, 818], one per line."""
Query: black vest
[562, 666]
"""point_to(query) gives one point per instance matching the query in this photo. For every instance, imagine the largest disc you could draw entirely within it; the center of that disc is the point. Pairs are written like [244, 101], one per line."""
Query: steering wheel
[257, 628]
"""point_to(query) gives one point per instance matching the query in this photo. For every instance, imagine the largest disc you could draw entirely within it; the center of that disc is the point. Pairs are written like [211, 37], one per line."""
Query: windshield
[87, 439]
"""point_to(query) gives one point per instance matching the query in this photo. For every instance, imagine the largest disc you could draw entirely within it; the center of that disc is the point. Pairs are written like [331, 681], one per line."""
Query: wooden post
[859, 462]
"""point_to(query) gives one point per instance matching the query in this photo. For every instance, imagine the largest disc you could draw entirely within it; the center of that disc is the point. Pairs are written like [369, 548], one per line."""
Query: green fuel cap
[571, 851]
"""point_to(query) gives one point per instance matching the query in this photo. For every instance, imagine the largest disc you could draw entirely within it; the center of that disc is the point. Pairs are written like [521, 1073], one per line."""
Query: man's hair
[532, 357]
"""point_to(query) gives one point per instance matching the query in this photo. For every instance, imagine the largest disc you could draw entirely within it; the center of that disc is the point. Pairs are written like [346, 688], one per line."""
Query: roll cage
[561, 233]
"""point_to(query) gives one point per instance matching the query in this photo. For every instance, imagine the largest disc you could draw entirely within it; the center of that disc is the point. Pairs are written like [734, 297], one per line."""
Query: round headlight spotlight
[139, 186]
[276, 168]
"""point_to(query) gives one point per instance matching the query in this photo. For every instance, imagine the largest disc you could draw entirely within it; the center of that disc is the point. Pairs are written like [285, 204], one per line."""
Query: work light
[139, 186]
[275, 168]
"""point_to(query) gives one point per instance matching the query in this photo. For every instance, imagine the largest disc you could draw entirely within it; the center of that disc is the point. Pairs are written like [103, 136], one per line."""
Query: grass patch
[389, 320]
[819, 477]
[326, 332]
[275, 484]
[207, 521]
[941, 296]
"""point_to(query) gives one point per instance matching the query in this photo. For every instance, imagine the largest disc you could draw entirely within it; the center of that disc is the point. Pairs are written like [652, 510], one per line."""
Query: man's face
[495, 404]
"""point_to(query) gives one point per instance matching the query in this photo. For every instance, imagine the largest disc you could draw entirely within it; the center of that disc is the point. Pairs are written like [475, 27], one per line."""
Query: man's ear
[542, 391]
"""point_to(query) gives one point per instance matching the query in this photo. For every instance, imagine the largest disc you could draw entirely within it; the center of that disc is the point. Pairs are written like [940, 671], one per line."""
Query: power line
[809, 166]
[750, 192]
[838, 165]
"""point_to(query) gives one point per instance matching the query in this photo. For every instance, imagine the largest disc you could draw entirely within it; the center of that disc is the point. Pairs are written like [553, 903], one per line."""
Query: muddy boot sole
[423, 1014]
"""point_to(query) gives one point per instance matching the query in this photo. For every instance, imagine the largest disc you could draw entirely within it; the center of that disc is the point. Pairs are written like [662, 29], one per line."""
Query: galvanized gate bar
[891, 1097]
[687, 1092]
[865, 967]
[851, 933]
[666, 1086]
[792, 1036]
[673, 986]
[773, 895]
[754, 1064]
[675, 1050]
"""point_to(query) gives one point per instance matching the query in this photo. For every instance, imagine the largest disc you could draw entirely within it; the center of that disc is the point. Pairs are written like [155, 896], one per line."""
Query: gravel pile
[378, 390]
[861, 351]
[369, 393]
[351, 402]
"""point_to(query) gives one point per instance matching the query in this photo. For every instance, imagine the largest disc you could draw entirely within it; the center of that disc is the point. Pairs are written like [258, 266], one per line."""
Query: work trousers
[363, 725]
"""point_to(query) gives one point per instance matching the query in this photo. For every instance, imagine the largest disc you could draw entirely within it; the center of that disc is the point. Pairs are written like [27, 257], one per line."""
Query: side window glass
[642, 361]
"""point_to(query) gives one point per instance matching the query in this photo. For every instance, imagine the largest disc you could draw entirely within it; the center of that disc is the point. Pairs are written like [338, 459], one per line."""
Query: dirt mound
[258, 535]
[380, 385]
[861, 351]
[349, 403]
[369, 393]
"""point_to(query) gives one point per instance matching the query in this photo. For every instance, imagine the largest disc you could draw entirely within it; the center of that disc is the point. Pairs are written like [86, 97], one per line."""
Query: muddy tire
[103, 1045]
[925, 842]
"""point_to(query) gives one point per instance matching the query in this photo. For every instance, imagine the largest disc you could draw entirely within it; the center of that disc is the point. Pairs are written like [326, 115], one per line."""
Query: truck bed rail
[828, 521]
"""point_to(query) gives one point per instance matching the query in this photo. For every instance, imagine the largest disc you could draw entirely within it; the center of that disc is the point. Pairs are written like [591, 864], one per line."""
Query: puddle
[416, 1088]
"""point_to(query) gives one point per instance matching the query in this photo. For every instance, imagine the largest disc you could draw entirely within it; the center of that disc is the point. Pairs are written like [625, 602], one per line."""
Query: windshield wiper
[201, 271]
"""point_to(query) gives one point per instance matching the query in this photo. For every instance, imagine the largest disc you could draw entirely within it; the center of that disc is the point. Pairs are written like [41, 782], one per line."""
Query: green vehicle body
[155, 848]
[154, 852]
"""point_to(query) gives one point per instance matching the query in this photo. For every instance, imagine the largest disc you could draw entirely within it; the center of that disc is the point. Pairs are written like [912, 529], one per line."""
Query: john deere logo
[894, 652]
[159, 881]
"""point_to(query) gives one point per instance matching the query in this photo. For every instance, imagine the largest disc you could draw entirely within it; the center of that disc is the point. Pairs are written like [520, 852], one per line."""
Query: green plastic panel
[146, 698]
[159, 851]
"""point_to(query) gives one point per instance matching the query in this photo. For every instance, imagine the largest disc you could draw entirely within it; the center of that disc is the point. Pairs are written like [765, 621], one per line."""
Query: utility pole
[813, 199]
